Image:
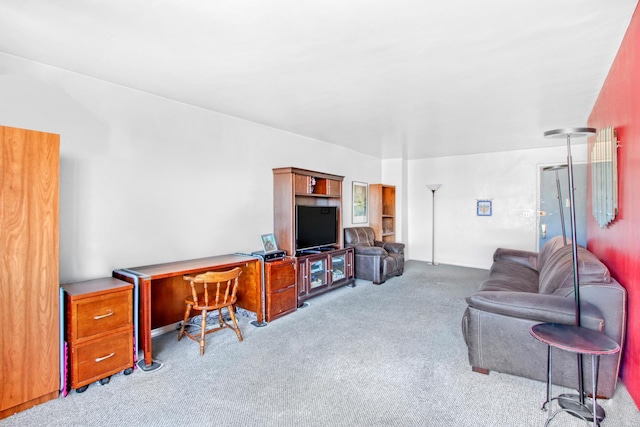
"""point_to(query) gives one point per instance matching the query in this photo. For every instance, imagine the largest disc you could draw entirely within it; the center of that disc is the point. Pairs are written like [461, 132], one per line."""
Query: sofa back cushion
[549, 249]
[556, 276]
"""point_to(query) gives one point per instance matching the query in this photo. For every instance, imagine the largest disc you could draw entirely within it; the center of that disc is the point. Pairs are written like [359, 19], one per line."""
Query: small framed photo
[360, 193]
[484, 208]
[269, 243]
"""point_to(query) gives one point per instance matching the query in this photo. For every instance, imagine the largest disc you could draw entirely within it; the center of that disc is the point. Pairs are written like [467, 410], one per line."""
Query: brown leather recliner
[375, 260]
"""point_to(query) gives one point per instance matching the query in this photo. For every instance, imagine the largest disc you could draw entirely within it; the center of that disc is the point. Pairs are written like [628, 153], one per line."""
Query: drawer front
[103, 313]
[281, 302]
[102, 357]
[280, 275]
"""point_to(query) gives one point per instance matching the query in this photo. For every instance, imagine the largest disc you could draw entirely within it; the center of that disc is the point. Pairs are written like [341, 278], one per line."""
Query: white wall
[509, 179]
[147, 180]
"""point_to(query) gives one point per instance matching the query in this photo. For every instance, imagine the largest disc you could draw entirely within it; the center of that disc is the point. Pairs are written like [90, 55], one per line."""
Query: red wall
[618, 244]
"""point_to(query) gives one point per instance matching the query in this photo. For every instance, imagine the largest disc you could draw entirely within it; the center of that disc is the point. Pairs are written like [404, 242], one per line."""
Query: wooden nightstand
[99, 330]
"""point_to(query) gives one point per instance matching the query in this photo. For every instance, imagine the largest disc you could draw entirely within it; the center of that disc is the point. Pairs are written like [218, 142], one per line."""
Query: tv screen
[316, 226]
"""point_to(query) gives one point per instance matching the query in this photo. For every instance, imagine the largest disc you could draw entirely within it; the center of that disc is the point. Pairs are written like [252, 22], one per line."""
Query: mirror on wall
[604, 176]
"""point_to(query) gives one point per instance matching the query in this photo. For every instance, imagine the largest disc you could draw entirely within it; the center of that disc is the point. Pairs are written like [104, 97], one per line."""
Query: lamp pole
[567, 400]
[433, 188]
[559, 193]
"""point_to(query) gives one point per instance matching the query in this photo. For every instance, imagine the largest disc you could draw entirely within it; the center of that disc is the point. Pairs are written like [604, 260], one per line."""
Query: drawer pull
[100, 359]
[103, 316]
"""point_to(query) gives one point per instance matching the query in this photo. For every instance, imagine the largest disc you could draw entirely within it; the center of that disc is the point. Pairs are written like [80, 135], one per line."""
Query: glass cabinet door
[317, 273]
[338, 267]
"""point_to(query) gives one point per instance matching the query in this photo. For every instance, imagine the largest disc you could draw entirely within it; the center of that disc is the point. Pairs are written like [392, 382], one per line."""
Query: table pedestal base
[571, 402]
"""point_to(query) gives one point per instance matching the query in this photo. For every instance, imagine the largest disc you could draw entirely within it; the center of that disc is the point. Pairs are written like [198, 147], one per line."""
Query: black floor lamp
[569, 401]
[433, 188]
[557, 168]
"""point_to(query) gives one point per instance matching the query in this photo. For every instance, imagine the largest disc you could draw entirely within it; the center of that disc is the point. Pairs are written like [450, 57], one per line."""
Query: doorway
[550, 221]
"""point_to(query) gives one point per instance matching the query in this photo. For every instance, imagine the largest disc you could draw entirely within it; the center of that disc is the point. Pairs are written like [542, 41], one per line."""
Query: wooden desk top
[159, 271]
[95, 287]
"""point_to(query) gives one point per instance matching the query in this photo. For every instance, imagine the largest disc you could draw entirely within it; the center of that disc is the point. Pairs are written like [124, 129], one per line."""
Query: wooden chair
[212, 291]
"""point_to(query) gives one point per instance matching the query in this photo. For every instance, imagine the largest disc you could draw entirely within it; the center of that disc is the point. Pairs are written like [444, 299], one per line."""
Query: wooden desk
[162, 290]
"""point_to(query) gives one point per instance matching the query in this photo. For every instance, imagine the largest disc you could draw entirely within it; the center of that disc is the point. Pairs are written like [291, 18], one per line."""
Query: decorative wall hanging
[604, 176]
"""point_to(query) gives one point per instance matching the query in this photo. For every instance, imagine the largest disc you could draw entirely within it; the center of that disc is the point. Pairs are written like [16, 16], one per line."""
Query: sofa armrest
[393, 247]
[369, 250]
[526, 258]
[537, 307]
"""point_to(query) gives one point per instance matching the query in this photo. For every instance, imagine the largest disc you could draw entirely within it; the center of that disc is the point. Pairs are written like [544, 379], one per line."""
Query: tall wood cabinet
[29, 269]
[382, 211]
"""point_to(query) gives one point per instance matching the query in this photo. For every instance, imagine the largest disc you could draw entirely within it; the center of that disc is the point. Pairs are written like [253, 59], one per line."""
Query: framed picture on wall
[360, 194]
[484, 208]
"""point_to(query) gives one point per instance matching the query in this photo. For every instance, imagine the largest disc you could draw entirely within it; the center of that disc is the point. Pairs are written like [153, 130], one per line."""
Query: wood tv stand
[319, 270]
[324, 271]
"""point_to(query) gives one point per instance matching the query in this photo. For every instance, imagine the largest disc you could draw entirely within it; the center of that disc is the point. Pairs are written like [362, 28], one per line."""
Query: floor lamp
[556, 168]
[433, 188]
[569, 401]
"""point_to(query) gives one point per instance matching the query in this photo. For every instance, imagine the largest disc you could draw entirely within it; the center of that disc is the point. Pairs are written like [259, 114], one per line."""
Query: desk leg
[145, 306]
[146, 364]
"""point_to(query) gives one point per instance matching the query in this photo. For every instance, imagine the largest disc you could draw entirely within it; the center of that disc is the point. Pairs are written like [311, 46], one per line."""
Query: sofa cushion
[548, 249]
[556, 276]
[525, 258]
[510, 276]
[537, 307]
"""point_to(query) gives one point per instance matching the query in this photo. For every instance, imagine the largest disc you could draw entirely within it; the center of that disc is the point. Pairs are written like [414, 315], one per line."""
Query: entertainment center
[308, 226]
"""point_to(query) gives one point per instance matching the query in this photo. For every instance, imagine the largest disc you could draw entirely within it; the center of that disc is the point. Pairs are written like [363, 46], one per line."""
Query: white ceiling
[391, 78]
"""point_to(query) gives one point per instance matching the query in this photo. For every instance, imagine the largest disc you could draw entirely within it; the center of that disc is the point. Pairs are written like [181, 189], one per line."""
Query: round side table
[579, 340]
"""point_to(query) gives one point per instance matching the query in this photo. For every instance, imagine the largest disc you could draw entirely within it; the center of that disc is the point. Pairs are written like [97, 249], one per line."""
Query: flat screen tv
[316, 226]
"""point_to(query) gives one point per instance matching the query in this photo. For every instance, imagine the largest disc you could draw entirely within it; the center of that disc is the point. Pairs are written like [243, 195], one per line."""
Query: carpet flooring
[388, 355]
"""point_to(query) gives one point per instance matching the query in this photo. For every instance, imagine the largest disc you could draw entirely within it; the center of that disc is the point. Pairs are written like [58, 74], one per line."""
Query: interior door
[550, 223]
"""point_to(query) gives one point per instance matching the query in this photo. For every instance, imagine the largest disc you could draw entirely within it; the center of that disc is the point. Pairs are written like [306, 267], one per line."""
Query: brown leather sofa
[527, 288]
[375, 260]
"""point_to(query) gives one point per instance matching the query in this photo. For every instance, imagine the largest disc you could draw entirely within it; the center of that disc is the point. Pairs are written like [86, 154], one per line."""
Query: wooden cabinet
[280, 287]
[324, 271]
[293, 187]
[99, 330]
[382, 211]
[29, 266]
[321, 269]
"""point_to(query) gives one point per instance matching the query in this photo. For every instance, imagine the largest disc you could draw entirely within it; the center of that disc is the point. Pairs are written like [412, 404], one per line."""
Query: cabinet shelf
[324, 196]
